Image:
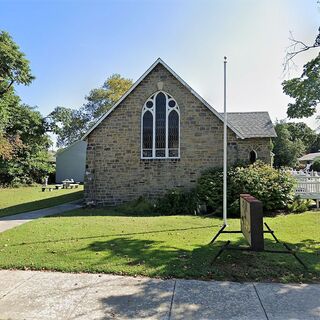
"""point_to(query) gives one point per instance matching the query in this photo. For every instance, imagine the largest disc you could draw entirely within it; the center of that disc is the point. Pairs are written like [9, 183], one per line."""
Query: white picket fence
[308, 185]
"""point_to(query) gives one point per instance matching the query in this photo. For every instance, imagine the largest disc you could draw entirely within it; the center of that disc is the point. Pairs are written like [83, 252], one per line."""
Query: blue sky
[74, 46]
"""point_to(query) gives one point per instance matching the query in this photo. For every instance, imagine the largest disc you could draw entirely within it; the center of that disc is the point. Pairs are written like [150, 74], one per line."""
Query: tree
[8, 143]
[302, 132]
[316, 164]
[102, 99]
[24, 142]
[70, 124]
[14, 67]
[9, 146]
[286, 148]
[305, 90]
[24, 147]
[315, 147]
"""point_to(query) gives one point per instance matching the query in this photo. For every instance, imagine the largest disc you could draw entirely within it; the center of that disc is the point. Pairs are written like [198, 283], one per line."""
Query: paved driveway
[10, 222]
[49, 295]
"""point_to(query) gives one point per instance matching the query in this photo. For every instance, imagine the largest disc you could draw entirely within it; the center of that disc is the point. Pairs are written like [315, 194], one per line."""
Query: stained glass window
[173, 140]
[147, 134]
[160, 124]
[160, 127]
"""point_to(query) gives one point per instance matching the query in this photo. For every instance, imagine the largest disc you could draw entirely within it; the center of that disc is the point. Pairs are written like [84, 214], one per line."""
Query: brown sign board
[251, 220]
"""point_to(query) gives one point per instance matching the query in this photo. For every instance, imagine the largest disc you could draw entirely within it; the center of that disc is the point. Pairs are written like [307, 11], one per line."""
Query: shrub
[210, 189]
[177, 201]
[316, 164]
[299, 205]
[273, 187]
[138, 207]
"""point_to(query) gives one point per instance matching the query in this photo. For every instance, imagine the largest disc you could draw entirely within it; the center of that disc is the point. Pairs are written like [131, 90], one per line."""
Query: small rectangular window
[147, 153]
[160, 153]
[173, 153]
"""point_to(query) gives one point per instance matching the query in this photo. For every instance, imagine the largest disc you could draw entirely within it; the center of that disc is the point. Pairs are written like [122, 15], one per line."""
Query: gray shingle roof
[310, 156]
[252, 124]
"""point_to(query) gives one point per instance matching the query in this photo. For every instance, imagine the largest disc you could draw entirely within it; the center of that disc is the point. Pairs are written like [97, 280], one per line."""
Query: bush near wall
[316, 164]
[177, 201]
[210, 190]
[275, 188]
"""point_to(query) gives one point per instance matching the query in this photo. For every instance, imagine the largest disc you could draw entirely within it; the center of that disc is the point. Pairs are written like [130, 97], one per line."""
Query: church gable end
[123, 163]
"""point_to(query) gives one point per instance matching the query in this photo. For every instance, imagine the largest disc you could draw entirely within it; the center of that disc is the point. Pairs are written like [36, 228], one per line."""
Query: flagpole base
[223, 231]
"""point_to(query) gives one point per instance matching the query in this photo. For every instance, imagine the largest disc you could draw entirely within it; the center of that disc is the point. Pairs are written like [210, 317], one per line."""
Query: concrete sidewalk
[10, 222]
[49, 295]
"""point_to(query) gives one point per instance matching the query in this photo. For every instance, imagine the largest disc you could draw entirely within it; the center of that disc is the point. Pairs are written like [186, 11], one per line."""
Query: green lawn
[17, 200]
[159, 246]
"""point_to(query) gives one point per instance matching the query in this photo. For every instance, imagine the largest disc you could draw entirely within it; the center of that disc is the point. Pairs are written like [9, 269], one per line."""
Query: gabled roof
[310, 156]
[252, 124]
[160, 61]
[61, 151]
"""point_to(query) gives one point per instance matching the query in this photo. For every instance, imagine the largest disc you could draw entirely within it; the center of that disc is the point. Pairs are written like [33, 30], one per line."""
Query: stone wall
[116, 172]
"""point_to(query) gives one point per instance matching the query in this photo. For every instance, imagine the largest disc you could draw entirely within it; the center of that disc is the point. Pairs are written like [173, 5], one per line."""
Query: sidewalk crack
[73, 310]
[262, 306]
[18, 285]
[171, 303]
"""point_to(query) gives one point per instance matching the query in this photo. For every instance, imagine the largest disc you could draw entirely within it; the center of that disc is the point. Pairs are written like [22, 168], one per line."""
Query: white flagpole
[225, 146]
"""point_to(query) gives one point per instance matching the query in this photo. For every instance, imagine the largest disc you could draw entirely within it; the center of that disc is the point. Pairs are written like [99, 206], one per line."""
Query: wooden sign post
[251, 221]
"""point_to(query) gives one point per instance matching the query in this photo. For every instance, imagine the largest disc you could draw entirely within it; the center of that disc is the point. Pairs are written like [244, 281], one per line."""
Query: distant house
[160, 135]
[310, 157]
[71, 162]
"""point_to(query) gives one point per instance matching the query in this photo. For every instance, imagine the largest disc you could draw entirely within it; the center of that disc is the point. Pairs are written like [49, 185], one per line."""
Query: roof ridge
[246, 112]
[142, 77]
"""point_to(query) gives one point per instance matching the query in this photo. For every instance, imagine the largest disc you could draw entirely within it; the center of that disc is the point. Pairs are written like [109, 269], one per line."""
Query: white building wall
[71, 162]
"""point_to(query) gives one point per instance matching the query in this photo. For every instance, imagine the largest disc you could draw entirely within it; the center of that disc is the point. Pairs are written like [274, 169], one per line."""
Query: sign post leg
[218, 234]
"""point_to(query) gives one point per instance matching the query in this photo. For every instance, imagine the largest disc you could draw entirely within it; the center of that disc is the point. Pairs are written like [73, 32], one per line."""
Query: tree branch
[295, 48]
[2, 92]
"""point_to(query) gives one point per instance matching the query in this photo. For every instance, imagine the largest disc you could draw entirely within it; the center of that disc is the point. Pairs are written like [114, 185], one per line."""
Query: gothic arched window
[253, 156]
[160, 127]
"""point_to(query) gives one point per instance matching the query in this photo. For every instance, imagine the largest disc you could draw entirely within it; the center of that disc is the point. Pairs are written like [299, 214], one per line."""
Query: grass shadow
[125, 210]
[112, 211]
[154, 232]
[41, 204]
[137, 208]
[171, 261]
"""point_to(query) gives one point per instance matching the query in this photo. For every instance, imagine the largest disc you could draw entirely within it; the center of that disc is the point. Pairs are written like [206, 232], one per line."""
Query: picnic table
[70, 184]
[66, 184]
[49, 188]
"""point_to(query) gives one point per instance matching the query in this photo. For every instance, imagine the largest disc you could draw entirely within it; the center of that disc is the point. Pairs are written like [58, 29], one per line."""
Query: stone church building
[161, 134]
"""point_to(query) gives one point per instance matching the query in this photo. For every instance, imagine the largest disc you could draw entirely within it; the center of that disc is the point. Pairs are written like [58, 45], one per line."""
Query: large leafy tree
[315, 147]
[305, 90]
[8, 101]
[286, 148]
[293, 140]
[14, 67]
[70, 124]
[102, 99]
[24, 154]
[302, 132]
[23, 140]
